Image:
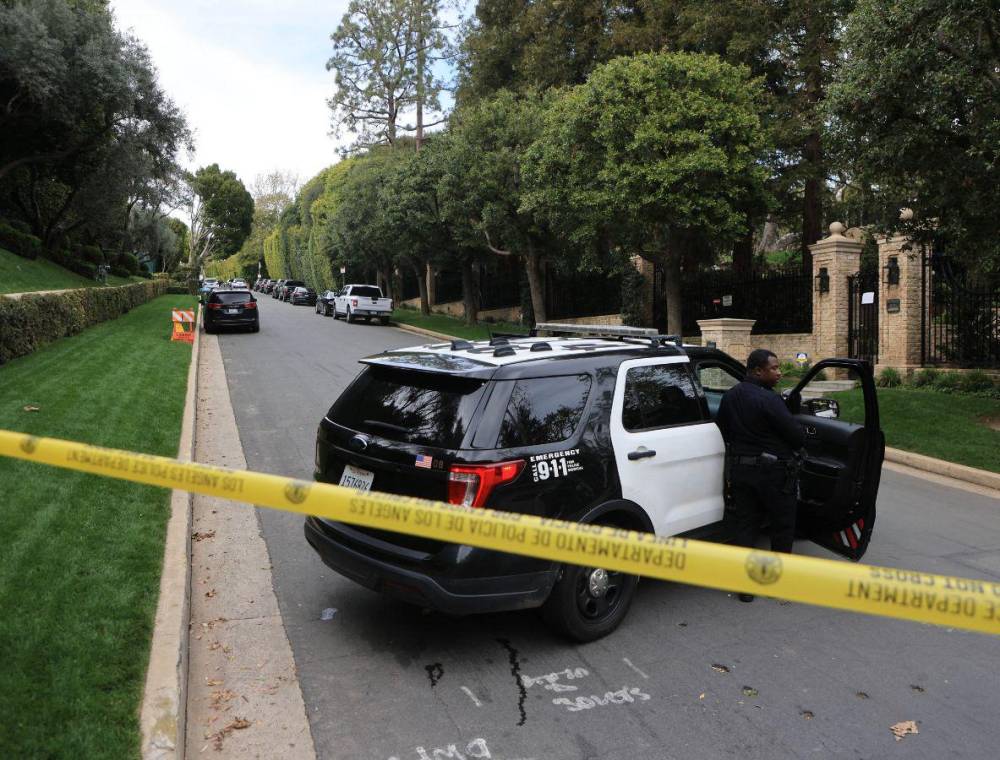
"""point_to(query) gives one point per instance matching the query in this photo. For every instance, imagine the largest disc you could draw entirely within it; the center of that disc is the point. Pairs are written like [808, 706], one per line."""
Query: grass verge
[949, 426]
[81, 558]
[442, 323]
[20, 275]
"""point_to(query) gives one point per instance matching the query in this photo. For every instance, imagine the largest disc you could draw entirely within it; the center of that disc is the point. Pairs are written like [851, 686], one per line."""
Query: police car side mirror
[822, 407]
[792, 400]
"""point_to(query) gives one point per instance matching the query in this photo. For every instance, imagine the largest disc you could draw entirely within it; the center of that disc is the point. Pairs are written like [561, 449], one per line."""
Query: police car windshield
[433, 409]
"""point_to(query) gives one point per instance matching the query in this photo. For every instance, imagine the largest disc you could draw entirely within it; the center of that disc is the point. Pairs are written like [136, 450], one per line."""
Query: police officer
[762, 441]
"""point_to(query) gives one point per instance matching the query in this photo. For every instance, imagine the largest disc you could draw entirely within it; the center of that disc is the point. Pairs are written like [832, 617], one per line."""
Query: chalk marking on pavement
[629, 663]
[472, 696]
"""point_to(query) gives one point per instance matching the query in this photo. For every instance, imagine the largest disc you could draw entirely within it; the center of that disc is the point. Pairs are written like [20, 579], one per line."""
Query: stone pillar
[899, 326]
[729, 334]
[840, 257]
[431, 287]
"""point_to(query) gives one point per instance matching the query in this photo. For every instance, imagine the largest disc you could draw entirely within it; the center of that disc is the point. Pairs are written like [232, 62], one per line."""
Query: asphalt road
[708, 677]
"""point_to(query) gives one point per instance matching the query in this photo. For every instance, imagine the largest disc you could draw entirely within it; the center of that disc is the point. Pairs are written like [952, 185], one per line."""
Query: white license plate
[232, 311]
[356, 478]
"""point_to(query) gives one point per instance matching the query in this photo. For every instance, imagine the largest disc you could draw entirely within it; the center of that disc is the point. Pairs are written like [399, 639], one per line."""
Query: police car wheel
[588, 603]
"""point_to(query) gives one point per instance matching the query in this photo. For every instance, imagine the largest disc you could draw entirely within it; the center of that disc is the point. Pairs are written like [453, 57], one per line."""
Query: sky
[249, 74]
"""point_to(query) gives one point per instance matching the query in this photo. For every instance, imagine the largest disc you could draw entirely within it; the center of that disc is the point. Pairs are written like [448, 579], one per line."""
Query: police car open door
[836, 404]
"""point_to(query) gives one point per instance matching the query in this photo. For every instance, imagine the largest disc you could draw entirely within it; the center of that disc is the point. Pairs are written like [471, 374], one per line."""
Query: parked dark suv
[231, 308]
[288, 287]
[610, 430]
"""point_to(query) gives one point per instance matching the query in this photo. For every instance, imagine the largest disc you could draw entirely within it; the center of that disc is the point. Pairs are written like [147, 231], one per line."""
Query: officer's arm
[787, 426]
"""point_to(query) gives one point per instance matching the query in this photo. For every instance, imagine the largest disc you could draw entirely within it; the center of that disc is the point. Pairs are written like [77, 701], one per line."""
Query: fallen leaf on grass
[903, 728]
[32, 408]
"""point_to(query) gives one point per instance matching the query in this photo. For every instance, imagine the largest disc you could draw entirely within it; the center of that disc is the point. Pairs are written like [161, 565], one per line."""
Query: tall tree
[917, 112]
[482, 186]
[383, 56]
[655, 155]
[221, 212]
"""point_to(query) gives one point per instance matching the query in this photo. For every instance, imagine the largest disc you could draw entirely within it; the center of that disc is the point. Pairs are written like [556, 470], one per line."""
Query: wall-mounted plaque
[892, 306]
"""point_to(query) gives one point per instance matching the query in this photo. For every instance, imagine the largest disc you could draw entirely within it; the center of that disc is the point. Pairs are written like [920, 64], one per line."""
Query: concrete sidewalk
[243, 696]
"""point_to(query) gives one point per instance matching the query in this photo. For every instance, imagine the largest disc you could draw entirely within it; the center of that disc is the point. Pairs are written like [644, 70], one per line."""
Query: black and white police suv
[614, 428]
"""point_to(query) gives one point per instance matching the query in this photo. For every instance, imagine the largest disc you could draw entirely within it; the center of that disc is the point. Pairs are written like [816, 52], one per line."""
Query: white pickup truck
[362, 302]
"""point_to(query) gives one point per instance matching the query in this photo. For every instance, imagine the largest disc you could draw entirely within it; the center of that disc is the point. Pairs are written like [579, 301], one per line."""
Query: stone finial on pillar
[834, 259]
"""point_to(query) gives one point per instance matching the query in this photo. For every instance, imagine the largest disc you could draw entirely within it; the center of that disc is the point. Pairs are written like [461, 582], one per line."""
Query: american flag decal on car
[424, 461]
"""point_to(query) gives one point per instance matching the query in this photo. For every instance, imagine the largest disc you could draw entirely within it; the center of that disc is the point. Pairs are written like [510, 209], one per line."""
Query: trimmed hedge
[31, 321]
[22, 243]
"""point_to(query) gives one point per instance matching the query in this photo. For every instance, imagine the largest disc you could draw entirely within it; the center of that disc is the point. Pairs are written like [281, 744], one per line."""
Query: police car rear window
[426, 408]
[543, 410]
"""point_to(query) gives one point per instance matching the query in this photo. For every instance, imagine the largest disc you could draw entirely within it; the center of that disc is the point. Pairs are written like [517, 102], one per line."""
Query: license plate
[232, 311]
[356, 478]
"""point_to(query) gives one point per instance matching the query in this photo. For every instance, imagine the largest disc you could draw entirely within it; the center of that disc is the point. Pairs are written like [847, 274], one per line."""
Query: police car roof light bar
[460, 345]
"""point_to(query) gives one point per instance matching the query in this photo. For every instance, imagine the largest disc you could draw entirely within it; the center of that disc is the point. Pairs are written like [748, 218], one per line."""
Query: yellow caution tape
[910, 595]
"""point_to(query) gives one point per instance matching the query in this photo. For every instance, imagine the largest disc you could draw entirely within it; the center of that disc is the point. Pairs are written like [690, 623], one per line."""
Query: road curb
[162, 715]
[951, 470]
[960, 472]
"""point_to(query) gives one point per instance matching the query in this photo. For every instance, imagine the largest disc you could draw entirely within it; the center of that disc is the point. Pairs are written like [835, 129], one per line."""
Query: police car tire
[562, 614]
[348, 316]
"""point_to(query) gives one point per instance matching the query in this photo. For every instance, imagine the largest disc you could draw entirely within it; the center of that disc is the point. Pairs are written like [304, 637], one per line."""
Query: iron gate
[862, 315]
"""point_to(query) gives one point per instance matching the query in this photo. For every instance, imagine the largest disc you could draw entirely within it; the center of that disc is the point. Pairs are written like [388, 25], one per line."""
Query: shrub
[89, 253]
[20, 225]
[31, 321]
[948, 381]
[23, 244]
[975, 381]
[925, 377]
[118, 271]
[889, 378]
[127, 262]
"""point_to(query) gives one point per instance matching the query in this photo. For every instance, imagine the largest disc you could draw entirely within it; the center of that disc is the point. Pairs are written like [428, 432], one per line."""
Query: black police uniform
[762, 438]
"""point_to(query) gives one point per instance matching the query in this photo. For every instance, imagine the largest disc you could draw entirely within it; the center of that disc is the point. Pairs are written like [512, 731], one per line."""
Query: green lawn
[442, 323]
[20, 275]
[947, 426]
[81, 555]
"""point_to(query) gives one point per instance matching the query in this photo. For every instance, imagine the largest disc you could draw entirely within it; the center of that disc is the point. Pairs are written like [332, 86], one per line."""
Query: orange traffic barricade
[183, 321]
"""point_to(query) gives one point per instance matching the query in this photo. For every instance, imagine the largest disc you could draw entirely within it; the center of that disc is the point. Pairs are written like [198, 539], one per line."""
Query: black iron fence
[960, 319]
[571, 293]
[780, 300]
[500, 283]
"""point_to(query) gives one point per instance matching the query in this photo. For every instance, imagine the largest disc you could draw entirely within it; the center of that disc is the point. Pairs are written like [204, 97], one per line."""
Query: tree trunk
[672, 290]
[743, 253]
[767, 237]
[421, 58]
[812, 199]
[386, 274]
[812, 150]
[425, 304]
[470, 293]
[536, 283]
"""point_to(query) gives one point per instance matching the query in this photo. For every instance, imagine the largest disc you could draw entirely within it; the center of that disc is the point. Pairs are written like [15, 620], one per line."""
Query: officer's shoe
[745, 597]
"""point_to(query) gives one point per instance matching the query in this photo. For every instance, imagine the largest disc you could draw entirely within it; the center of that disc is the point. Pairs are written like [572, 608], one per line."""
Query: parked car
[276, 290]
[287, 287]
[362, 301]
[268, 286]
[231, 308]
[606, 429]
[239, 285]
[324, 302]
[302, 295]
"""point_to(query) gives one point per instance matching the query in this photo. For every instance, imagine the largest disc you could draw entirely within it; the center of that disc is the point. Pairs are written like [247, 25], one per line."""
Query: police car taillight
[471, 484]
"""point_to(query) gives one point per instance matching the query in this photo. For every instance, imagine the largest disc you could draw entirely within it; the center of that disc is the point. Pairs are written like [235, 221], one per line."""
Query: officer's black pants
[759, 492]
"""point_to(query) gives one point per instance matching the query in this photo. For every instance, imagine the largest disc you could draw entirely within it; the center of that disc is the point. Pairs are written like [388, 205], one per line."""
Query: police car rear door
[669, 455]
[837, 405]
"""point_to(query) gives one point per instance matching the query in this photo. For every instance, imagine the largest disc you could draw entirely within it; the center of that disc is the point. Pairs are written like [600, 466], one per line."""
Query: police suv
[613, 427]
